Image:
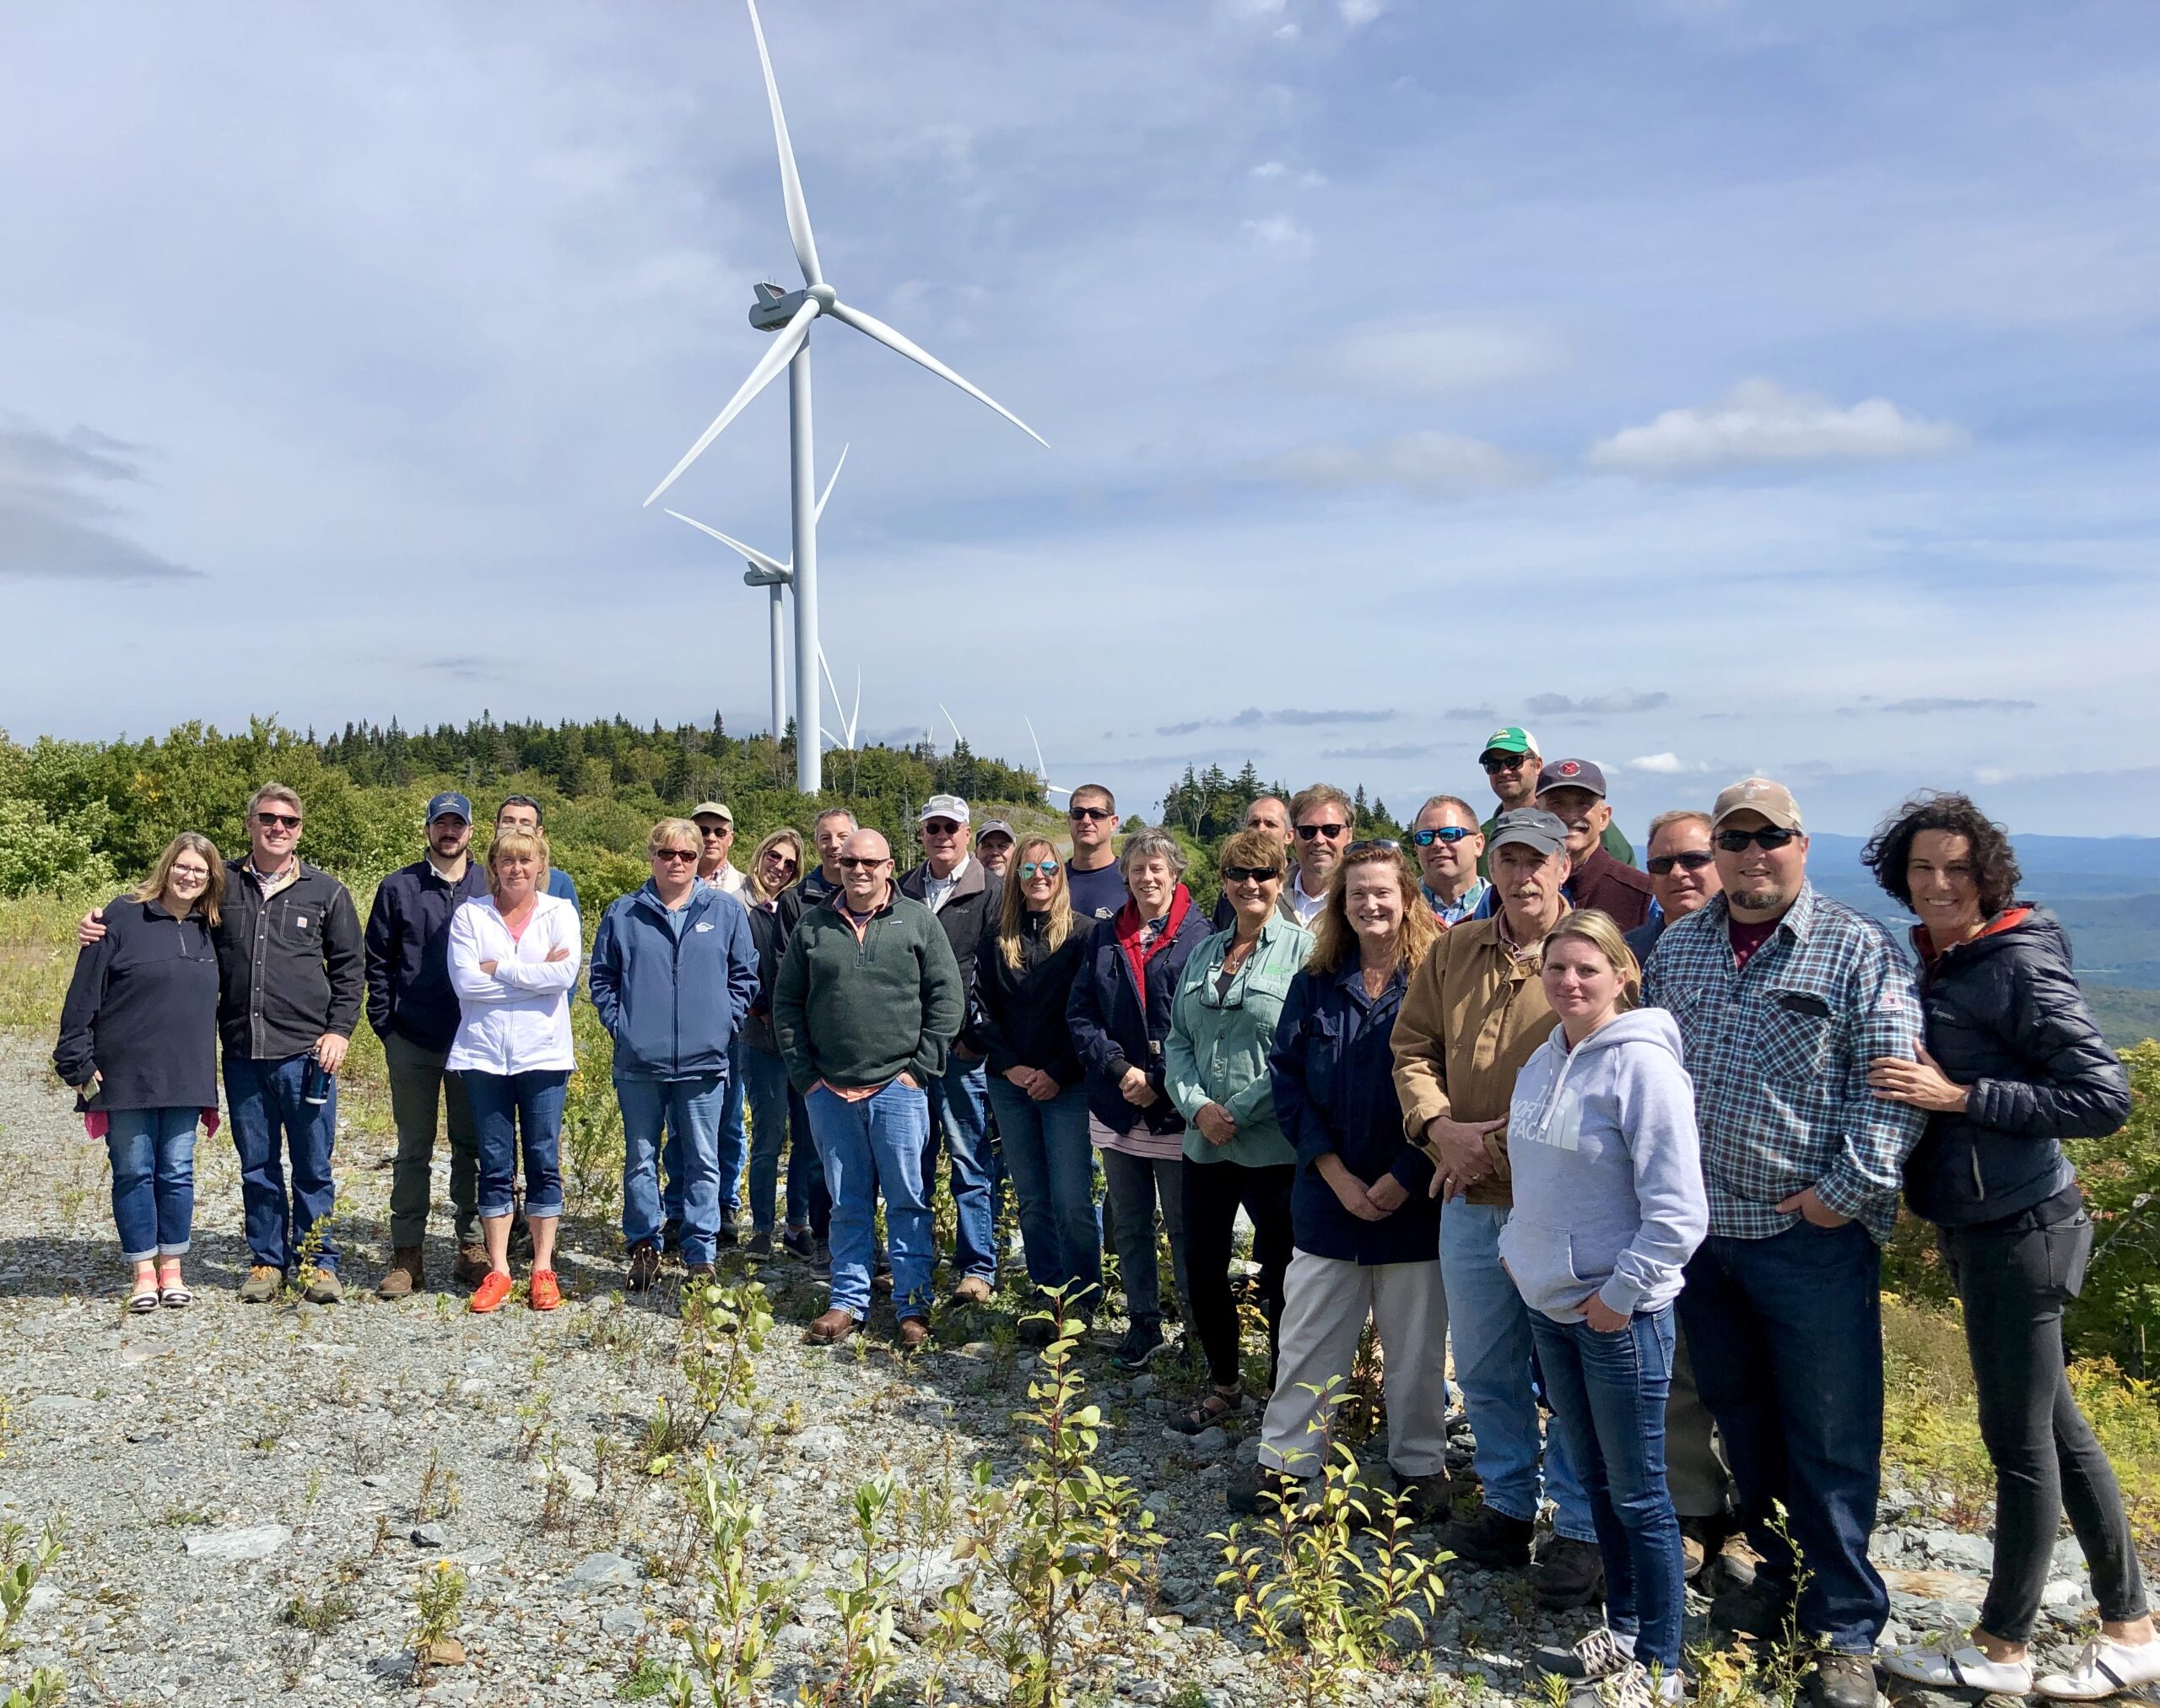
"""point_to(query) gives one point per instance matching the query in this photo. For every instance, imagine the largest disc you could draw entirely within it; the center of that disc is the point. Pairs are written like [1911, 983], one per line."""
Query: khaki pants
[1325, 1305]
[1694, 1469]
[419, 1092]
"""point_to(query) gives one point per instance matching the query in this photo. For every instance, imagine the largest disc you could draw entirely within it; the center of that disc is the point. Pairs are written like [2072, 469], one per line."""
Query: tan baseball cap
[1774, 801]
[717, 808]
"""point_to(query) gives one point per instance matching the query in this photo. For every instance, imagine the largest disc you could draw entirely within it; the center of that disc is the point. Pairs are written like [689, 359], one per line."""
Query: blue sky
[1711, 386]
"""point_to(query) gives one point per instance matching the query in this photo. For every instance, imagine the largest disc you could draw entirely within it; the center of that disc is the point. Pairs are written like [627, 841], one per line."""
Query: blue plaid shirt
[1778, 1051]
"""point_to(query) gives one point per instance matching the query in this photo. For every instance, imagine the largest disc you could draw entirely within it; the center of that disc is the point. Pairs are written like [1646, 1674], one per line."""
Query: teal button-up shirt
[1220, 1039]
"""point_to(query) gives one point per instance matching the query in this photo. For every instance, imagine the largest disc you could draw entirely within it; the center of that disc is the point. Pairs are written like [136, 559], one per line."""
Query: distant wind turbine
[1042, 771]
[791, 314]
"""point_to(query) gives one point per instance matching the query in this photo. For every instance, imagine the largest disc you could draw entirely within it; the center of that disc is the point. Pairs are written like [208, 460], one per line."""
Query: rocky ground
[253, 1495]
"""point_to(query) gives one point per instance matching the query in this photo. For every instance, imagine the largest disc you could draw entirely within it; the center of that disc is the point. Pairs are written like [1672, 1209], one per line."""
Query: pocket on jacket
[1541, 1262]
[300, 924]
[1795, 1035]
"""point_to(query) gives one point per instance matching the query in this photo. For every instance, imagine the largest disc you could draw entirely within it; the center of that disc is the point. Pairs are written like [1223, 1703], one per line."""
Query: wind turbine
[767, 571]
[1042, 771]
[792, 315]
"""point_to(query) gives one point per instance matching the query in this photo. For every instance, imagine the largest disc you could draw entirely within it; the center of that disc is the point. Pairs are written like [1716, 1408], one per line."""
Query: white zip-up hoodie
[1607, 1170]
[518, 1019]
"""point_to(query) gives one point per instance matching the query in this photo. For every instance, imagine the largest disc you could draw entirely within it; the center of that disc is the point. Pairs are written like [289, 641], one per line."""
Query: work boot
[472, 1265]
[645, 1265]
[263, 1284]
[1489, 1539]
[1569, 1573]
[832, 1328]
[405, 1276]
[973, 1290]
[1701, 1539]
[1843, 1681]
[1757, 1608]
[1261, 1490]
[913, 1331]
[1427, 1499]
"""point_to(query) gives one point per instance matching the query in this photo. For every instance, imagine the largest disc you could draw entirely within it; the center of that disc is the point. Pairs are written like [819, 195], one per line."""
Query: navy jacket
[767, 938]
[288, 965]
[672, 991]
[1019, 1012]
[141, 1010]
[2005, 1017]
[976, 900]
[407, 944]
[1333, 1069]
[1117, 1024]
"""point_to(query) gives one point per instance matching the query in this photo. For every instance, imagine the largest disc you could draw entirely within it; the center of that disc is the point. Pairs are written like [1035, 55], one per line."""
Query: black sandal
[1216, 1405]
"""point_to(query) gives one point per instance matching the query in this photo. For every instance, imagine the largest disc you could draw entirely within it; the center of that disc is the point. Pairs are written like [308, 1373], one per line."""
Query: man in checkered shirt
[1783, 997]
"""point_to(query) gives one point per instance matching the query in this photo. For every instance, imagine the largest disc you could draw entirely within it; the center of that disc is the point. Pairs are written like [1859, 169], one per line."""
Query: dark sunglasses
[1251, 874]
[1374, 845]
[1693, 861]
[1770, 837]
[291, 821]
[672, 855]
[1090, 813]
[714, 833]
[1448, 834]
[1307, 832]
[1505, 762]
[850, 861]
[940, 827]
[1039, 869]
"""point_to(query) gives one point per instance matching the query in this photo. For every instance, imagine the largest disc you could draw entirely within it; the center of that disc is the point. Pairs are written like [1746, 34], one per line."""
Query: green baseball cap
[1510, 738]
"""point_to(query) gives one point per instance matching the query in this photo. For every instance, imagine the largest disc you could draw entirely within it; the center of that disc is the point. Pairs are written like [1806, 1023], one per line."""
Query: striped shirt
[1778, 1051]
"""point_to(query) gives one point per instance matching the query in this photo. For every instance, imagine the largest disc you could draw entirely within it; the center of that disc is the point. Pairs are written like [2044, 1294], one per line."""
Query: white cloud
[1357, 13]
[1664, 765]
[1431, 465]
[1759, 421]
[1270, 169]
[1281, 233]
[1421, 354]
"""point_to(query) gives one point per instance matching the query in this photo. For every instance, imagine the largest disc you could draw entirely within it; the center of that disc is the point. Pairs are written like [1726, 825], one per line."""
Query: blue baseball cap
[450, 804]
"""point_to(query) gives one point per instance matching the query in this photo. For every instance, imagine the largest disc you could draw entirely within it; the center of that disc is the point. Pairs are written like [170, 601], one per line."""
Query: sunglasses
[1251, 874]
[1503, 762]
[1079, 812]
[287, 821]
[672, 855]
[850, 862]
[940, 827]
[1448, 834]
[715, 833]
[1769, 838]
[1693, 861]
[1374, 845]
[1307, 832]
[1039, 869]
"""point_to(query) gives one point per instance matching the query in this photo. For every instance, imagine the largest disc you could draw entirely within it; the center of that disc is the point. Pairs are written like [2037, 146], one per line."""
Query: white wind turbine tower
[791, 314]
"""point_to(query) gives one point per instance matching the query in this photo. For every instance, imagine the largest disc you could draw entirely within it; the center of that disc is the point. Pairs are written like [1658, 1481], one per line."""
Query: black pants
[1213, 1192]
[2013, 1278]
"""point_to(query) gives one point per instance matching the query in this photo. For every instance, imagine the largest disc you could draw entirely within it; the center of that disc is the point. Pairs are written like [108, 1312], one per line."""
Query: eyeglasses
[1503, 762]
[1307, 832]
[1251, 874]
[286, 821]
[1448, 834]
[940, 827]
[1692, 860]
[715, 833]
[672, 855]
[1770, 838]
[1077, 813]
[850, 862]
[1039, 869]
[1374, 845]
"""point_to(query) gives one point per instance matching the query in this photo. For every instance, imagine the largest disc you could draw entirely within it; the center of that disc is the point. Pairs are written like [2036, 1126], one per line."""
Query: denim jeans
[270, 1118]
[691, 1107]
[959, 1114]
[734, 1146]
[1053, 1168]
[1609, 1394]
[764, 1090]
[153, 1152]
[1493, 1354]
[871, 1145]
[1135, 1185]
[1796, 1385]
[509, 1109]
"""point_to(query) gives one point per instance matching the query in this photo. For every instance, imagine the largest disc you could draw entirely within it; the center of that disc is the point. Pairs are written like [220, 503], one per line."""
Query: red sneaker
[494, 1288]
[545, 1291]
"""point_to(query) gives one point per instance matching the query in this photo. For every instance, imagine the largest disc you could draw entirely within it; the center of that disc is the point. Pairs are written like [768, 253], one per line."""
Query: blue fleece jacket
[1607, 1170]
[671, 989]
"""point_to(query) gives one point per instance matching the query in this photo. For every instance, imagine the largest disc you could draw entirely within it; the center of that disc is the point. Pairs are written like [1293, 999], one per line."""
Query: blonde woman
[138, 1041]
[513, 962]
[1032, 950]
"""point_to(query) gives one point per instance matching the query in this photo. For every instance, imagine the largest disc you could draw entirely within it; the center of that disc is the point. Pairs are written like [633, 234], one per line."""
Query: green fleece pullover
[859, 1010]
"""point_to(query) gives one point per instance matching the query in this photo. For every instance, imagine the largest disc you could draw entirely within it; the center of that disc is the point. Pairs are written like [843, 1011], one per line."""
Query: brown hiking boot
[913, 1331]
[264, 1285]
[972, 1290]
[405, 1275]
[472, 1265]
[832, 1328]
[645, 1265]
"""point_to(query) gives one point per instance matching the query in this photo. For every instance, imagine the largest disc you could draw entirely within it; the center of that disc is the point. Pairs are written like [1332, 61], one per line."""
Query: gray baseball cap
[943, 807]
[994, 827]
[1532, 828]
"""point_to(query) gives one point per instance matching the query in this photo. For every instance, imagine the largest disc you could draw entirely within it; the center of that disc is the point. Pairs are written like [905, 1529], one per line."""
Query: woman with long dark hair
[2013, 1063]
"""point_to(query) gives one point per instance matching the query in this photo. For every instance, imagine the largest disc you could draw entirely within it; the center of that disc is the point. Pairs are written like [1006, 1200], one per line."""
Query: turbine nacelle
[775, 307]
[758, 576]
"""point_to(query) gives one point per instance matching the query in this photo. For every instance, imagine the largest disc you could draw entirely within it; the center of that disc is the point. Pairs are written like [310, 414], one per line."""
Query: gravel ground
[216, 1466]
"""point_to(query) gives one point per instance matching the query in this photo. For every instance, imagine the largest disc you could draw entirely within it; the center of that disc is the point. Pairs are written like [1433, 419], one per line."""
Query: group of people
[1629, 1140]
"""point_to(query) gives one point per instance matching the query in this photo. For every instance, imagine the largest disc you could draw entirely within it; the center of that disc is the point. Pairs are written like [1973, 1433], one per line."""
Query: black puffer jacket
[1019, 1012]
[2005, 1018]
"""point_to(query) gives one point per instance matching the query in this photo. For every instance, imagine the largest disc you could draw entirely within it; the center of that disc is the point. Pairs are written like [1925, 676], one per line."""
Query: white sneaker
[2103, 1668]
[1965, 1668]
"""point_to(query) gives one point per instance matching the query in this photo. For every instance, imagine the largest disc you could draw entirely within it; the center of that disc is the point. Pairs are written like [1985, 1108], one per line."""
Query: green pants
[1694, 1467]
[419, 1089]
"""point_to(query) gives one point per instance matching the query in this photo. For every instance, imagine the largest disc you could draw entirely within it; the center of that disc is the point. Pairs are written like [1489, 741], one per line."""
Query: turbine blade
[871, 326]
[855, 717]
[771, 565]
[784, 346]
[957, 736]
[832, 481]
[833, 688]
[790, 183]
[1042, 771]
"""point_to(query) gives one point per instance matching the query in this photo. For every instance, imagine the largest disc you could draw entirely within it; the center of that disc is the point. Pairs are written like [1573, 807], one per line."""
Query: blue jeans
[1608, 1393]
[764, 1088]
[691, 1107]
[509, 1107]
[1490, 1325]
[1786, 1335]
[959, 1111]
[153, 1152]
[270, 1118]
[1052, 1163]
[871, 1146]
[734, 1146]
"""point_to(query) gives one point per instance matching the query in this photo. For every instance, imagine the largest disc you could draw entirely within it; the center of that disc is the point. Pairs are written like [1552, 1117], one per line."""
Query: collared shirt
[936, 891]
[270, 883]
[1465, 907]
[452, 880]
[1307, 907]
[1778, 1051]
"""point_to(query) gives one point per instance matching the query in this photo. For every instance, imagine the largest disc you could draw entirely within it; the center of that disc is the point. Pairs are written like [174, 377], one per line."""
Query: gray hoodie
[1608, 1175]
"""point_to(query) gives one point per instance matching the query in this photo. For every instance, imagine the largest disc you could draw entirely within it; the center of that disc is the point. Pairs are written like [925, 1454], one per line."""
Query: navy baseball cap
[1571, 773]
[450, 804]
